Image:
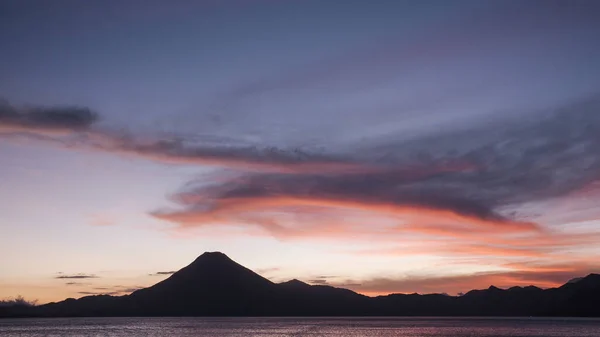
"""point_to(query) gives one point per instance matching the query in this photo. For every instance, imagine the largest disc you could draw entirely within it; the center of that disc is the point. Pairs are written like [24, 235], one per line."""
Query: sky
[382, 146]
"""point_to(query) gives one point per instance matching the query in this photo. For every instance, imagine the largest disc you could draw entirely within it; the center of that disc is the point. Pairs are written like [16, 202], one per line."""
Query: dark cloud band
[504, 165]
[76, 276]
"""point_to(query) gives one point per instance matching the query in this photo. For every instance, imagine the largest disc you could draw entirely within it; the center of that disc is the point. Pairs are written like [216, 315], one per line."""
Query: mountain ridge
[215, 285]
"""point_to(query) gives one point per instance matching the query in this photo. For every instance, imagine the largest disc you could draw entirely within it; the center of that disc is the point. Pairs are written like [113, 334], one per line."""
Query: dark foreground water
[347, 327]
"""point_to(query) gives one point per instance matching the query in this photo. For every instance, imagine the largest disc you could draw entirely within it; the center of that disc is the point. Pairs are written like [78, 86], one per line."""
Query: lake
[380, 327]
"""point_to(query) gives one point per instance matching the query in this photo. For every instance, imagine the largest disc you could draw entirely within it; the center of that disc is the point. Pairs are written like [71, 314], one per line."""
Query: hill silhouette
[215, 285]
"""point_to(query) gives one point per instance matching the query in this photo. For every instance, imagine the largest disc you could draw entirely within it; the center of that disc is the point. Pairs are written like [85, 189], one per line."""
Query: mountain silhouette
[211, 285]
[215, 285]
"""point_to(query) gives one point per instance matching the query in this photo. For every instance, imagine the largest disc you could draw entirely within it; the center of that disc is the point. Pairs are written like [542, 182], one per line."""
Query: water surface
[367, 327]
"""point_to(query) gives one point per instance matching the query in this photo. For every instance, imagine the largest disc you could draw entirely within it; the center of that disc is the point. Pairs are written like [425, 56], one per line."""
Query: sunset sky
[382, 146]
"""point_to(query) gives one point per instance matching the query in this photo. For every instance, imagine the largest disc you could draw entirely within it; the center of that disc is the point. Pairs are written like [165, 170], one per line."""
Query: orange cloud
[548, 278]
[102, 220]
[423, 231]
[231, 208]
[449, 249]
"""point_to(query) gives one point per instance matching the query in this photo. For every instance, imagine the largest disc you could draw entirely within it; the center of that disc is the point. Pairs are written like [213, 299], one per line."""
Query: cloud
[318, 281]
[472, 174]
[322, 279]
[45, 119]
[75, 276]
[544, 276]
[75, 128]
[247, 158]
[111, 293]
[163, 273]
[377, 194]
[131, 289]
[475, 177]
[102, 220]
[264, 271]
[76, 283]
[547, 245]
[117, 290]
